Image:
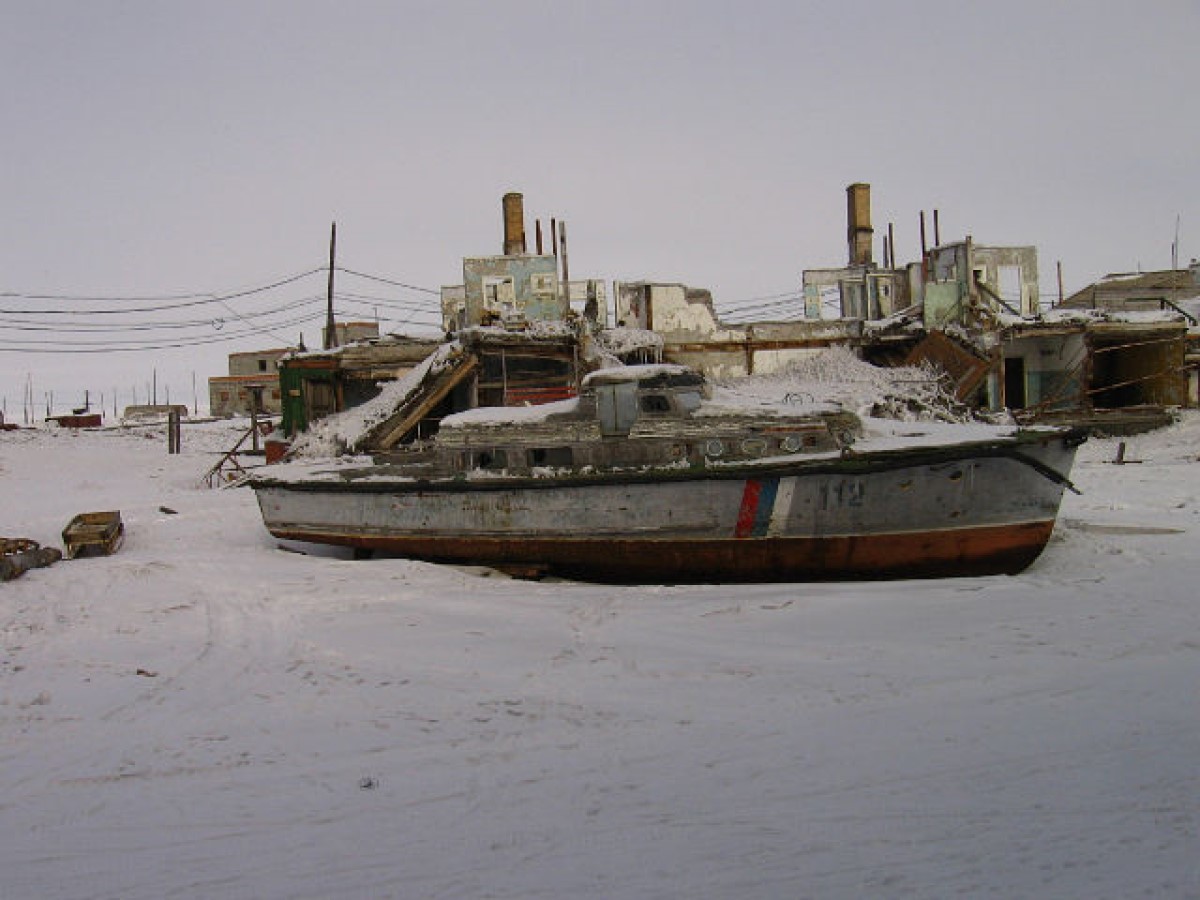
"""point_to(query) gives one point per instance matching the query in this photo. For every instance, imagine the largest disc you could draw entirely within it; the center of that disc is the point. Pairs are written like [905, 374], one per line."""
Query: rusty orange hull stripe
[1000, 549]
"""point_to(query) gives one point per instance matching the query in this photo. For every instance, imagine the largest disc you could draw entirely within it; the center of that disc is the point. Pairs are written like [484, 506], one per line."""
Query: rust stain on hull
[1000, 549]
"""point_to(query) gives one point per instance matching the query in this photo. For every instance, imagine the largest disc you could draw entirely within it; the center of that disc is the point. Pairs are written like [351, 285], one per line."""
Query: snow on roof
[1064, 315]
[1068, 315]
[837, 377]
[628, 340]
[331, 435]
[1143, 317]
[619, 374]
[544, 330]
[510, 415]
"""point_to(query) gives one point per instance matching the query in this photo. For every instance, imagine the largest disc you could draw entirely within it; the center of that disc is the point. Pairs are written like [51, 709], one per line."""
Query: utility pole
[330, 323]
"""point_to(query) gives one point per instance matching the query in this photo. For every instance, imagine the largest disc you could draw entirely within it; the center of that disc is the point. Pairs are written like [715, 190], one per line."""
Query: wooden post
[1060, 283]
[924, 251]
[255, 403]
[566, 272]
[173, 431]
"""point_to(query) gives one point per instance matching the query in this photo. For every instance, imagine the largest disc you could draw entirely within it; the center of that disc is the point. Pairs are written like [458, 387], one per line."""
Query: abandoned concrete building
[510, 316]
[518, 288]
[693, 335]
[250, 373]
[1112, 356]
[1168, 290]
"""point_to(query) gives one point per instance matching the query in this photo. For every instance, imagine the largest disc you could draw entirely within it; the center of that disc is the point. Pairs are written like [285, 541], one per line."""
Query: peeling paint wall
[232, 395]
[943, 304]
[1049, 369]
[1012, 272]
[511, 289]
[694, 336]
[589, 299]
[966, 278]
[454, 307]
[863, 292]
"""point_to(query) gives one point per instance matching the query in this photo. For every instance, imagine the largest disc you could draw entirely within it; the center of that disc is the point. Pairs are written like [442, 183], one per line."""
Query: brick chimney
[514, 224]
[859, 233]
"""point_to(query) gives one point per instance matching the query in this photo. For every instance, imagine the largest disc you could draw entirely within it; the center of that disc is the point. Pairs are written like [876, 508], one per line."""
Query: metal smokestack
[859, 233]
[514, 224]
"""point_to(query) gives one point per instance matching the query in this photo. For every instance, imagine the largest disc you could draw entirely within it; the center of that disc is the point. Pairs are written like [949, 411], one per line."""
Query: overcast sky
[159, 149]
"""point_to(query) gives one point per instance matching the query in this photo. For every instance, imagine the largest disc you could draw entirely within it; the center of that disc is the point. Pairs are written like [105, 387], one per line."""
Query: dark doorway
[1014, 383]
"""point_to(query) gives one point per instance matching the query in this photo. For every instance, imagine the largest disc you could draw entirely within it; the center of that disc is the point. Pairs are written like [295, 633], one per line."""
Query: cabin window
[490, 459]
[754, 446]
[550, 456]
[688, 401]
[655, 403]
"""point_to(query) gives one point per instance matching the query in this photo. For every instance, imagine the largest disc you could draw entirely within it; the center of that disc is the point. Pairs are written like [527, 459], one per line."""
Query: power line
[205, 299]
[20, 324]
[386, 301]
[112, 346]
[121, 337]
[381, 279]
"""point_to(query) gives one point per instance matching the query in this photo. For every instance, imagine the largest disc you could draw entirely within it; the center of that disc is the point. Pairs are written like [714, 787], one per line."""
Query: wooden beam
[393, 430]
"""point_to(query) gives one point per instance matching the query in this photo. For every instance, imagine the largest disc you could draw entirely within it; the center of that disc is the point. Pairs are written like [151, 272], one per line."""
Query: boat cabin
[626, 418]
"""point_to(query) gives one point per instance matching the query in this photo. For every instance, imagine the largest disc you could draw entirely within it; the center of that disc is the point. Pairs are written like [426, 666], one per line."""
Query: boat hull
[963, 511]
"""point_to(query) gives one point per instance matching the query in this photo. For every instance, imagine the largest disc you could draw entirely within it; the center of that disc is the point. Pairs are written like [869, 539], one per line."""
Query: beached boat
[643, 478]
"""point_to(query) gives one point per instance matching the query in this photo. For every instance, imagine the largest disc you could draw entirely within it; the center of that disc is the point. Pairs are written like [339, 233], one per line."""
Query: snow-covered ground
[205, 714]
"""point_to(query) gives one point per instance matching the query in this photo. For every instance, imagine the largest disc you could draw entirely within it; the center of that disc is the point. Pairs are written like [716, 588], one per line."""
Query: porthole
[714, 448]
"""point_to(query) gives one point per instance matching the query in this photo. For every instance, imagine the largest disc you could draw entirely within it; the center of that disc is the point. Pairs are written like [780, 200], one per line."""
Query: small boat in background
[645, 478]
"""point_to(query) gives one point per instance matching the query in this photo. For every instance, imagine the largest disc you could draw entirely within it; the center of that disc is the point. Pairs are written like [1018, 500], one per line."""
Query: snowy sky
[160, 149]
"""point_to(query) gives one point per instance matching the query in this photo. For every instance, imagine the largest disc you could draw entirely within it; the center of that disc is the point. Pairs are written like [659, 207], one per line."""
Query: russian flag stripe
[758, 505]
[749, 511]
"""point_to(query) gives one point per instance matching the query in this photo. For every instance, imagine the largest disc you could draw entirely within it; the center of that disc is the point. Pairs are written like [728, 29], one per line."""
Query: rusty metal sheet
[1003, 549]
[965, 369]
